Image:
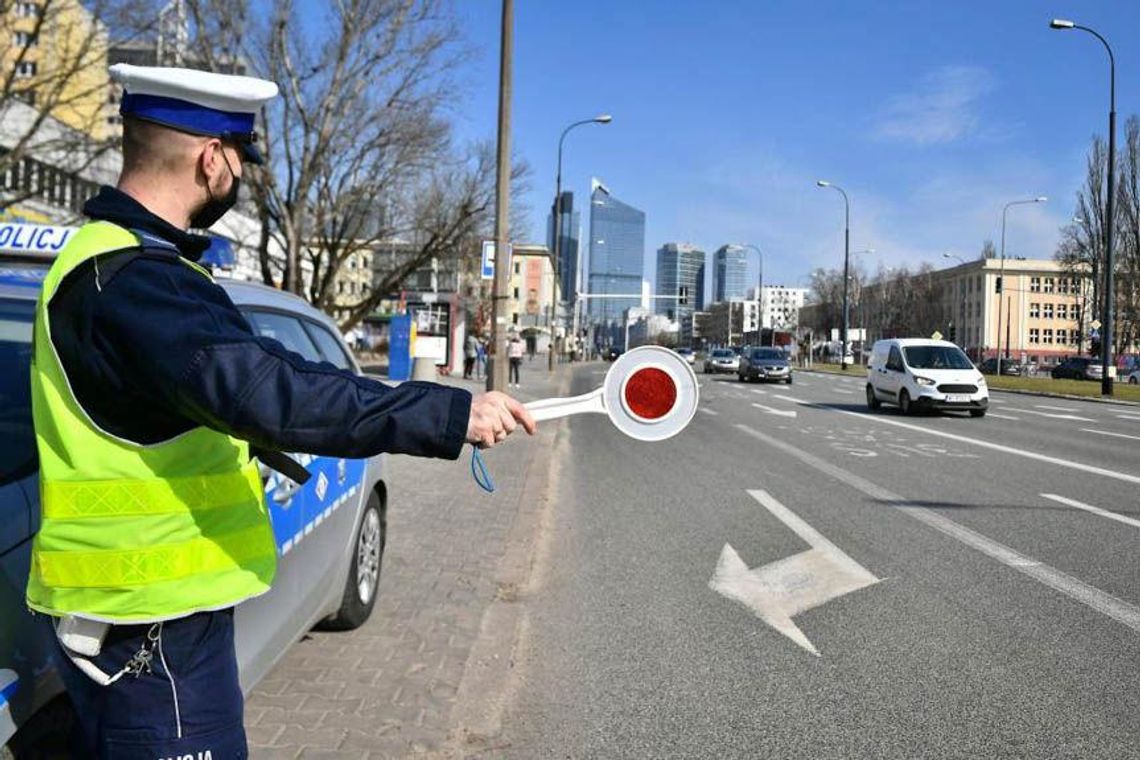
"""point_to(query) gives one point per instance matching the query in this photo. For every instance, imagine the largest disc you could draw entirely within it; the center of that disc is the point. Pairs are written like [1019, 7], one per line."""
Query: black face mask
[215, 208]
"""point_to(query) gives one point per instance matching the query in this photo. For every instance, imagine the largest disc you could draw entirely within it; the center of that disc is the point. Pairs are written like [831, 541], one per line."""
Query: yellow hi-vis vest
[134, 533]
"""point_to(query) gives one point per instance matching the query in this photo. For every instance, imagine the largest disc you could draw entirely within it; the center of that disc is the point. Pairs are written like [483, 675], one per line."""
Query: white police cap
[198, 102]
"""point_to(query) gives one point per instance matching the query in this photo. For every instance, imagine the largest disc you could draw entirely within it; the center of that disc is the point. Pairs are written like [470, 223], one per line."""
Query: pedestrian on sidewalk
[515, 349]
[148, 388]
[480, 358]
[470, 354]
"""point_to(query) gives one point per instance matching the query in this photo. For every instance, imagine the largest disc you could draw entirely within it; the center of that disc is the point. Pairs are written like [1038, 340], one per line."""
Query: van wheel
[904, 402]
[873, 402]
[364, 570]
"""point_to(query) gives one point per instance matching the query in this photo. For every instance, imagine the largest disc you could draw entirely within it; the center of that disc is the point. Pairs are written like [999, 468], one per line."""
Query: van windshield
[936, 357]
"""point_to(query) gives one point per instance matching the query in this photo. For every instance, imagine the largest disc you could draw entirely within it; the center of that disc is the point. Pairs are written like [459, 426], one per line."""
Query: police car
[330, 532]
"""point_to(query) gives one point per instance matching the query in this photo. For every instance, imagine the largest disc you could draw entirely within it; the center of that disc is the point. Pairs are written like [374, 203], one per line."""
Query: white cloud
[942, 109]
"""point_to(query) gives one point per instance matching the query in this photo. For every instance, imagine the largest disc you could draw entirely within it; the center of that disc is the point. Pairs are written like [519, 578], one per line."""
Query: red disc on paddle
[650, 393]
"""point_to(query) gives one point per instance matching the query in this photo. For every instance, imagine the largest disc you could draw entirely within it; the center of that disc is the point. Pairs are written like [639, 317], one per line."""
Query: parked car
[330, 532]
[1079, 368]
[722, 360]
[688, 354]
[769, 364]
[1008, 367]
[917, 373]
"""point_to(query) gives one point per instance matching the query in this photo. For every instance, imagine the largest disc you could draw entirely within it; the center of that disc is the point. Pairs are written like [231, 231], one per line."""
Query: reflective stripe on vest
[130, 532]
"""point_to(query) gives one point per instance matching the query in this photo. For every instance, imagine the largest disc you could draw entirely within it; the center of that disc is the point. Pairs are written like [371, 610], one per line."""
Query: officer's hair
[149, 147]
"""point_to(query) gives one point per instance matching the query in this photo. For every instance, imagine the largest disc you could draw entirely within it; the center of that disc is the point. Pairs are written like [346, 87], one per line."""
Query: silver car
[330, 532]
[722, 360]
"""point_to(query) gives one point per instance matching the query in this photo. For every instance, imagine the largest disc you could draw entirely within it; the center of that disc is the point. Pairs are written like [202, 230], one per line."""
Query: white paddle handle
[553, 408]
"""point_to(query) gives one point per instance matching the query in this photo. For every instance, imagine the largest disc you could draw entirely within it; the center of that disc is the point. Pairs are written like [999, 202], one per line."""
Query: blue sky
[931, 115]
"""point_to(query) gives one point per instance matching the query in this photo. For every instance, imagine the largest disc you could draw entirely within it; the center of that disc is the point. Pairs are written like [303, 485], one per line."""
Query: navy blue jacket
[154, 349]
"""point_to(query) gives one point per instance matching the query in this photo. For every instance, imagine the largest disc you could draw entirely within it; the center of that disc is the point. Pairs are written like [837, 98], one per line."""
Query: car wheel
[904, 402]
[364, 571]
[739, 377]
[872, 400]
[789, 379]
[977, 412]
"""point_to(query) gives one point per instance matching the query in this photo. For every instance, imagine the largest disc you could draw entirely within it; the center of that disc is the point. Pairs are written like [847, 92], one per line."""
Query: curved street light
[604, 118]
[1001, 273]
[1109, 307]
[846, 267]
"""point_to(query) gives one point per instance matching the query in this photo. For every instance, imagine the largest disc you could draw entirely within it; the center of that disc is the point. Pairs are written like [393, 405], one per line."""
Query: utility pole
[497, 376]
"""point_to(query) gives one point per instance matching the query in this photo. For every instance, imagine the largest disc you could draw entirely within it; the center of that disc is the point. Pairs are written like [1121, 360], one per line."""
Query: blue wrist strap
[479, 471]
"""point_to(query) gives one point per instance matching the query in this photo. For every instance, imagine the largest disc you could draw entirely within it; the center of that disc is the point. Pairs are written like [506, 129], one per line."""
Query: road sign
[936, 335]
[650, 393]
[488, 270]
[1095, 324]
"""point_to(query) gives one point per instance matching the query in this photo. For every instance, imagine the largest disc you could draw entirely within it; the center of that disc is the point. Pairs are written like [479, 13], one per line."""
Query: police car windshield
[936, 357]
[17, 439]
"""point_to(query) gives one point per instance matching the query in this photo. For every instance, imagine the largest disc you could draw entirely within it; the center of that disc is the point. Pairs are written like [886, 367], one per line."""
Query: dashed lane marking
[1114, 435]
[1090, 508]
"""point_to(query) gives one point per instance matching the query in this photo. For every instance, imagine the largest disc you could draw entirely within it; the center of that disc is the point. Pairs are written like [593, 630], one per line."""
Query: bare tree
[989, 251]
[359, 155]
[1082, 246]
[1128, 239]
[54, 86]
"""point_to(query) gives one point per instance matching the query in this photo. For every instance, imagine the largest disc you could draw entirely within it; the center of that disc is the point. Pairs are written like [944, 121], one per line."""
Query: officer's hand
[494, 416]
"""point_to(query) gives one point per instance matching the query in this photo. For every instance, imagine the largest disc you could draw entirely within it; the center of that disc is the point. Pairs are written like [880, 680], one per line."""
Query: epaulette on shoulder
[150, 247]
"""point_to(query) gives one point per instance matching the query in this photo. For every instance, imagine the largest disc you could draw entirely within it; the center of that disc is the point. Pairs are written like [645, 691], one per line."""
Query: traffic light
[997, 286]
[953, 334]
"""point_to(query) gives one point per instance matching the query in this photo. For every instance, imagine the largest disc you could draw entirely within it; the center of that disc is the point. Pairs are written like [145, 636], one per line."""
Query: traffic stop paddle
[650, 394]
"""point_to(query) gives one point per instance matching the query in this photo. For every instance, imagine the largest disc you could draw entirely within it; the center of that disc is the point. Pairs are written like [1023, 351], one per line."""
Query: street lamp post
[1109, 295]
[846, 268]
[604, 118]
[1001, 273]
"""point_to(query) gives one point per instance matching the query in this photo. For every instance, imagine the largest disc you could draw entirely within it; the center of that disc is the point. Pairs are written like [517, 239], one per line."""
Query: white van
[917, 373]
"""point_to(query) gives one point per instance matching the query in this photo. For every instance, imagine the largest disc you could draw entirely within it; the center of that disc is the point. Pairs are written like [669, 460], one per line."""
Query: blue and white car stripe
[318, 490]
[9, 682]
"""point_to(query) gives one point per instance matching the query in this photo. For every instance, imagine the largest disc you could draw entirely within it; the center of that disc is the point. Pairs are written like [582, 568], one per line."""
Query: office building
[680, 271]
[730, 278]
[567, 248]
[617, 254]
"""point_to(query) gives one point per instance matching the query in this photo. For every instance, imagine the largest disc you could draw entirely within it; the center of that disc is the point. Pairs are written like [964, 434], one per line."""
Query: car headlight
[924, 381]
[981, 380]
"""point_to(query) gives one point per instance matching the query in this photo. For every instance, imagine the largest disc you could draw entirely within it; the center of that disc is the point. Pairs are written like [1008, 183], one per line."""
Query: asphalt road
[995, 611]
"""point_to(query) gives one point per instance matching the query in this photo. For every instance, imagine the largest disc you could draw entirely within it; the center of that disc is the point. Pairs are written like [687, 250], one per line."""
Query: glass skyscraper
[617, 254]
[730, 278]
[568, 248]
[680, 265]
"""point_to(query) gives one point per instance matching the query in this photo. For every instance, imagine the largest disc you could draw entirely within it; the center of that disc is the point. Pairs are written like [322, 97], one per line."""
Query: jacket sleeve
[183, 342]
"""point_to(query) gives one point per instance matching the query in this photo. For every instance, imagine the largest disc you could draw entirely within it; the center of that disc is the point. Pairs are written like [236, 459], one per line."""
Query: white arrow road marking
[780, 412]
[1090, 508]
[1114, 435]
[1101, 601]
[779, 590]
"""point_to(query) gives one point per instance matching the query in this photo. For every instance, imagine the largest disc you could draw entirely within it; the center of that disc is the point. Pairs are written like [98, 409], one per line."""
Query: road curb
[1019, 391]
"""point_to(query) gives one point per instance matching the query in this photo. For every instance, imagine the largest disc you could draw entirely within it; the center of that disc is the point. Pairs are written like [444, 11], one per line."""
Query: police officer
[148, 390]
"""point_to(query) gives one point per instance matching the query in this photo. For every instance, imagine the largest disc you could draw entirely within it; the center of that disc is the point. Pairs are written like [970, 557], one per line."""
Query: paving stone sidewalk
[387, 689]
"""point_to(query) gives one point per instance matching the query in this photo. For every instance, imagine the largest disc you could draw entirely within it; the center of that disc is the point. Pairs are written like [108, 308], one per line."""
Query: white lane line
[1056, 408]
[1101, 601]
[1126, 477]
[1129, 416]
[997, 400]
[1090, 508]
[1053, 415]
[1003, 416]
[706, 410]
[793, 399]
[780, 412]
[844, 392]
[1114, 435]
[759, 391]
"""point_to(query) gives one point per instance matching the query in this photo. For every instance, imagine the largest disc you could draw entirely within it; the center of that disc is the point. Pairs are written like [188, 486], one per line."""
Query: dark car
[765, 364]
[611, 353]
[1008, 367]
[1079, 368]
